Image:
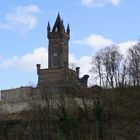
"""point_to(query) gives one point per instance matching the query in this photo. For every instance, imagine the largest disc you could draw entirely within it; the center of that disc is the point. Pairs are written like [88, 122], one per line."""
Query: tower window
[55, 54]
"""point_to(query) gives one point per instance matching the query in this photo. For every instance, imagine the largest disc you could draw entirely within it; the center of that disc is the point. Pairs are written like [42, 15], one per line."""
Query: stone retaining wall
[16, 95]
[16, 100]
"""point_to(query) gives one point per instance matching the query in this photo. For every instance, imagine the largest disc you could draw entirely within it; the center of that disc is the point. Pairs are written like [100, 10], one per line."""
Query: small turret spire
[68, 29]
[62, 26]
[48, 28]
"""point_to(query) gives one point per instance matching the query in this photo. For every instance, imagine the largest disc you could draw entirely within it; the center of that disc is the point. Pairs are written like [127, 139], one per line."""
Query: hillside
[110, 114]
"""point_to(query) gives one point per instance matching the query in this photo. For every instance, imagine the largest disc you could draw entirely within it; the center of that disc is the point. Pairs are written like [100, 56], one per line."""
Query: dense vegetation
[81, 114]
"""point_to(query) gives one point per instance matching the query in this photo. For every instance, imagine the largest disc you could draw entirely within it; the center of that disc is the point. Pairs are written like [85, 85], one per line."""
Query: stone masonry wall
[16, 100]
[16, 95]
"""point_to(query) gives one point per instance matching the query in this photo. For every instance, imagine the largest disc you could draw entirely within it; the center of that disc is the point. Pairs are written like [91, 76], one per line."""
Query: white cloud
[98, 42]
[72, 59]
[28, 61]
[21, 18]
[114, 2]
[124, 46]
[84, 62]
[100, 3]
[94, 41]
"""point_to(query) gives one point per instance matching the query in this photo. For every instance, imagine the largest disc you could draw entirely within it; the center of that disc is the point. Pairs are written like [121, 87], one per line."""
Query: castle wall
[16, 95]
[16, 100]
[24, 98]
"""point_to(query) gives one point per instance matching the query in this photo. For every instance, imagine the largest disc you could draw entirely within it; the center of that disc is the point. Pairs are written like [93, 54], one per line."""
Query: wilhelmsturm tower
[58, 72]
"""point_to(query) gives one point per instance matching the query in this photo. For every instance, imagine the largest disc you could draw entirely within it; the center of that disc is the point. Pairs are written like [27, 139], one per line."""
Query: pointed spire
[62, 26]
[48, 28]
[58, 16]
[58, 19]
[68, 29]
[58, 26]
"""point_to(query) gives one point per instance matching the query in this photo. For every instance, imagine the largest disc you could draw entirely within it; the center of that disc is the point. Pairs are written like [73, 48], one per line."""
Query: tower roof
[58, 26]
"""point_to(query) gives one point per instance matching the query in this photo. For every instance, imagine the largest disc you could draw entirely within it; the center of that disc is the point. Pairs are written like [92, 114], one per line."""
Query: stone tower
[58, 44]
[58, 73]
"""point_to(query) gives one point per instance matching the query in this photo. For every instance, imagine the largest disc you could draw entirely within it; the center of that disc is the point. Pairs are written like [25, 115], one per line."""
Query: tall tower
[58, 46]
[58, 73]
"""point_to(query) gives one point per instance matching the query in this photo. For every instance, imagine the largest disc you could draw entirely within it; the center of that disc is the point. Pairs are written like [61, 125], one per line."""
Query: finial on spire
[48, 28]
[58, 14]
[68, 29]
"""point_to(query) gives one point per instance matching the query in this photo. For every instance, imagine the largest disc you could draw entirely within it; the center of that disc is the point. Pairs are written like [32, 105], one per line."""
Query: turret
[68, 29]
[38, 68]
[48, 27]
[77, 70]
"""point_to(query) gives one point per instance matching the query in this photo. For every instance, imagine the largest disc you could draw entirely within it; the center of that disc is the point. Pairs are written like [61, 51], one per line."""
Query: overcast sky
[94, 24]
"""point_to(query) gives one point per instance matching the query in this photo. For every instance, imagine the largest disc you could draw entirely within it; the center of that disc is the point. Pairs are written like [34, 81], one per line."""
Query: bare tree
[98, 68]
[123, 77]
[134, 64]
[107, 64]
